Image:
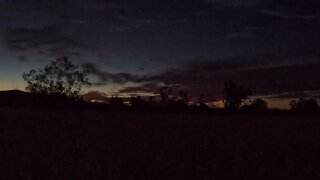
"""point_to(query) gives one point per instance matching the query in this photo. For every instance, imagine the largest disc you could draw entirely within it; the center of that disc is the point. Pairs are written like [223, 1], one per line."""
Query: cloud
[296, 94]
[102, 5]
[49, 9]
[49, 40]
[286, 15]
[22, 58]
[245, 63]
[263, 75]
[105, 77]
[236, 3]
[146, 88]
[266, 80]
[239, 35]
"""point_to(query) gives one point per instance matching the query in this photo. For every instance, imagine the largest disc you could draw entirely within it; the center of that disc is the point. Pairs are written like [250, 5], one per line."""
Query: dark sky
[130, 46]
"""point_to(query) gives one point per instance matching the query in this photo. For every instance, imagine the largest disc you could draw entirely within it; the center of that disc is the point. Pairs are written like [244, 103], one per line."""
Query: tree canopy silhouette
[60, 77]
[233, 95]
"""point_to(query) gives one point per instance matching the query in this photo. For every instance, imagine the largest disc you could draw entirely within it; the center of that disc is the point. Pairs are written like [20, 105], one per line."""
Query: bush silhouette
[116, 102]
[304, 105]
[257, 105]
[138, 103]
[173, 101]
[60, 78]
[165, 95]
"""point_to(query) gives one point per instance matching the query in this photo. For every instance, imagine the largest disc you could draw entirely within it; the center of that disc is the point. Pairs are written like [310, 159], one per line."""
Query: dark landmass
[55, 144]
[54, 137]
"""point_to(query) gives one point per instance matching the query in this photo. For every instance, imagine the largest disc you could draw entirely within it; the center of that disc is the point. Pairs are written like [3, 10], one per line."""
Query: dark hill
[13, 93]
[17, 98]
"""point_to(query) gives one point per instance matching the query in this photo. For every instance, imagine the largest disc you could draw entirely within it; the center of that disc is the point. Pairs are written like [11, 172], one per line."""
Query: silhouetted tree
[179, 102]
[164, 94]
[304, 105]
[151, 101]
[116, 102]
[233, 95]
[60, 77]
[183, 96]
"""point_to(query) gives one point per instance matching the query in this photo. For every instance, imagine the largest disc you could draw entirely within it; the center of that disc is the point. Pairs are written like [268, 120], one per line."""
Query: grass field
[38, 145]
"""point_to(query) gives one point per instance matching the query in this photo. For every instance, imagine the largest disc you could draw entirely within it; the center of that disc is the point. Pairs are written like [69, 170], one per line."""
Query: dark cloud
[151, 88]
[286, 15]
[236, 3]
[105, 77]
[141, 69]
[102, 5]
[240, 35]
[57, 7]
[260, 80]
[295, 95]
[262, 77]
[22, 58]
[306, 6]
[246, 63]
[49, 40]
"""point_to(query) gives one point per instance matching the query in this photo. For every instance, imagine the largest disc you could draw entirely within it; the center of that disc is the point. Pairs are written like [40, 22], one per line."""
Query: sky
[137, 46]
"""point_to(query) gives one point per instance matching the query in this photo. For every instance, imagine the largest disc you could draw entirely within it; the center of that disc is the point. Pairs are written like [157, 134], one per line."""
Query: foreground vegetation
[47, 144]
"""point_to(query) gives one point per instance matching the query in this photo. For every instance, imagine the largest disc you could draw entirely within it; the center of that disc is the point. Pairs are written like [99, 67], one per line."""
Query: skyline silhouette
[213, 97]
[60, 83]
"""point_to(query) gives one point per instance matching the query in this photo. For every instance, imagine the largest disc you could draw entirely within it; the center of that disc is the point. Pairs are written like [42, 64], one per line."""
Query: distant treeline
[58, 86]
[20, 99]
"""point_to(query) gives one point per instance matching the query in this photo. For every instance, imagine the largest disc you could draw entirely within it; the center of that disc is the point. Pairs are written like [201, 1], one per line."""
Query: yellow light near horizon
[9, 86]
[216, 104]
[279, 103]
[272, 103]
